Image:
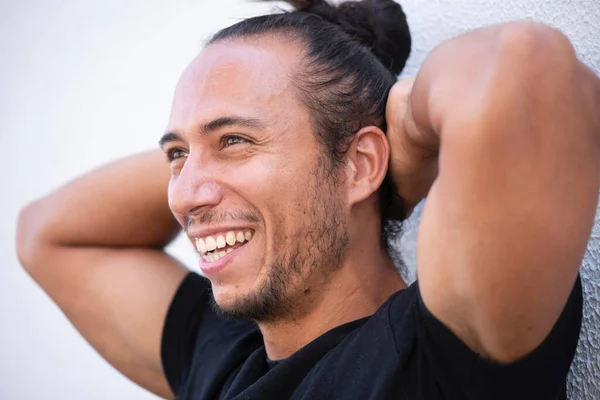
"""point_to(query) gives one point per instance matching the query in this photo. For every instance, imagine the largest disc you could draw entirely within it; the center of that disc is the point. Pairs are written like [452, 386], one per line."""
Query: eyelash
[171, 154]
[238, 139]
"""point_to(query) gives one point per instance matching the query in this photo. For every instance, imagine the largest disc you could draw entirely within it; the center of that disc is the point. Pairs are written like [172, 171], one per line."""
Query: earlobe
[367, 164]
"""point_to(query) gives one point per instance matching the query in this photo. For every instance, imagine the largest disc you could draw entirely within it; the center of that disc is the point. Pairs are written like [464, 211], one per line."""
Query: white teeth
[200, 246]
[211, 244]
[240, 237]
[216, 255]
[230, 238]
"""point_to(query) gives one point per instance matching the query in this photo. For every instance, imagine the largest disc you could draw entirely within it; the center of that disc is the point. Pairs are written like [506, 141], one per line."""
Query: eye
[175, 154]
[230, 140]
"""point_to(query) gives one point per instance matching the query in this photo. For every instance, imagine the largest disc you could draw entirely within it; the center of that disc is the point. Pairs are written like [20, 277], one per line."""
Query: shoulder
[393, 326]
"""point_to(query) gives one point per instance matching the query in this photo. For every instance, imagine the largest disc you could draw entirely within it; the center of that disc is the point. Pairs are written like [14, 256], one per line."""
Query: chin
[260, 304]
[226, 296]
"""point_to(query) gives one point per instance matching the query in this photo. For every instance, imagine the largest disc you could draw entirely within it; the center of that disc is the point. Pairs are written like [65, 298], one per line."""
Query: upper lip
[202, 233]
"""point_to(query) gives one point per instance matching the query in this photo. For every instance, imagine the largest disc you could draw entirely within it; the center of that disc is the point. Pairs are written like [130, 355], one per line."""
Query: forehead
[248, 78]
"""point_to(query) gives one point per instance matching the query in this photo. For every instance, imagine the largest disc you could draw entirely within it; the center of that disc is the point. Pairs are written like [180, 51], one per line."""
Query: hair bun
[380, 25]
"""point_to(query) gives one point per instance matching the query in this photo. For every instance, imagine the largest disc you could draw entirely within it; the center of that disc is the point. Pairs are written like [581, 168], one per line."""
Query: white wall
[83, 82]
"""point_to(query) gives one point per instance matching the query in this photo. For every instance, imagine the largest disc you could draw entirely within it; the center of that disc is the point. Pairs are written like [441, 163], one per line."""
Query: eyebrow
[214, 125]
[168, 137]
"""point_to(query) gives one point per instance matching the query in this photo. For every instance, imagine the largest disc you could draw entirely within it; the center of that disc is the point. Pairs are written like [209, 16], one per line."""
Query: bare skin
[508, 217]
[95, 246]
[509, 185]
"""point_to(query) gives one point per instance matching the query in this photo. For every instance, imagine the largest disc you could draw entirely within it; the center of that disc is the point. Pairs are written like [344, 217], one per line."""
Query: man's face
[249, 175]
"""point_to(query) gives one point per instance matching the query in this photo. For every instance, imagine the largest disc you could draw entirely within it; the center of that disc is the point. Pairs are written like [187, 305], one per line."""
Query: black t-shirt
[400, 352]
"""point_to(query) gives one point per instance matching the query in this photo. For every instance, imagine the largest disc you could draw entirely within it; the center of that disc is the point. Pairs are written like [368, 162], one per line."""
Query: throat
[342, 300]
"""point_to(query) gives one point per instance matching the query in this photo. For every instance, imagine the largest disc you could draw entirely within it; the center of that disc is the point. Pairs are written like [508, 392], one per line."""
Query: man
[288, 222]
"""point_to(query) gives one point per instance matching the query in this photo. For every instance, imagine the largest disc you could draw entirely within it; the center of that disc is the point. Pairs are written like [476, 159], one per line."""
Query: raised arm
[95, 246]
[511, 119]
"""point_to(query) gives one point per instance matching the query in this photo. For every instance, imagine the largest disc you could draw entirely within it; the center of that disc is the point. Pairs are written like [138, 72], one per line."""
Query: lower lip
[212, 268]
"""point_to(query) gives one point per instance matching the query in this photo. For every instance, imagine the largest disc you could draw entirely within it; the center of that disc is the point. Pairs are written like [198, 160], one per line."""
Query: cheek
[279, 186]
[267, 182]
[291, 213]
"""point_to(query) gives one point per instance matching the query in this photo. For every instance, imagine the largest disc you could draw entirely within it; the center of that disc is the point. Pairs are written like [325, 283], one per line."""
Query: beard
[318, 246]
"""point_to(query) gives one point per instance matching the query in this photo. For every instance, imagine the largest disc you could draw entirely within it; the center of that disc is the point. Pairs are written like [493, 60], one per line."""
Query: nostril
[194, 210]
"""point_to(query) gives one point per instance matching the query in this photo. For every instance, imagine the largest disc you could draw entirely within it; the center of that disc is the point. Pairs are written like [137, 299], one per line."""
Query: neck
[357, 289]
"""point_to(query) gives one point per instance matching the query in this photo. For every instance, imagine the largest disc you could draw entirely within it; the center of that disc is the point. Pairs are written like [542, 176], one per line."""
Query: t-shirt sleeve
[194, 332]
[539, 375]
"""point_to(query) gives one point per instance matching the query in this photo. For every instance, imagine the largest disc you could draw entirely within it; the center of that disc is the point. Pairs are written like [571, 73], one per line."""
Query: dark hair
[354, 52]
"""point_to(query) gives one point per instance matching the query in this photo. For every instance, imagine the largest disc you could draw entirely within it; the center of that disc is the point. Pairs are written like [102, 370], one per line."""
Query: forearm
[451, 78]
[123, 204]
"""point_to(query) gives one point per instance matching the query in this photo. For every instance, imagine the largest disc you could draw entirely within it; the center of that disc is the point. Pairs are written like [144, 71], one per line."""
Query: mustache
[220, 217]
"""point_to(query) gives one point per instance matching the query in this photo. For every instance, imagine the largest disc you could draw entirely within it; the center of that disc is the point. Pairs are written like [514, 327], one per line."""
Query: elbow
[29, 242]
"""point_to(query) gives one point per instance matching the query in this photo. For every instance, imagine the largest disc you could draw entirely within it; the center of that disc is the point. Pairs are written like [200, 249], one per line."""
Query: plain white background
[83, 82]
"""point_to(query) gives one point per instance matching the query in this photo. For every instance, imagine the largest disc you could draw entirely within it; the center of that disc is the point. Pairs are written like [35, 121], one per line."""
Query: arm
[95, 246]
[510, 212]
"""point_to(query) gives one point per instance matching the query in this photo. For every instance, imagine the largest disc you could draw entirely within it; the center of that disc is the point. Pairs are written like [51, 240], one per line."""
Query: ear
[366, 163]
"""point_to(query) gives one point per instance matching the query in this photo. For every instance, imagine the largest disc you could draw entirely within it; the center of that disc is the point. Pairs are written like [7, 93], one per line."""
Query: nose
[194, 188]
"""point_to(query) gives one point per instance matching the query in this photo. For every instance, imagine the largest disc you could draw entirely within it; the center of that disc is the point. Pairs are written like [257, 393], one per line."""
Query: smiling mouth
[213, 247]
